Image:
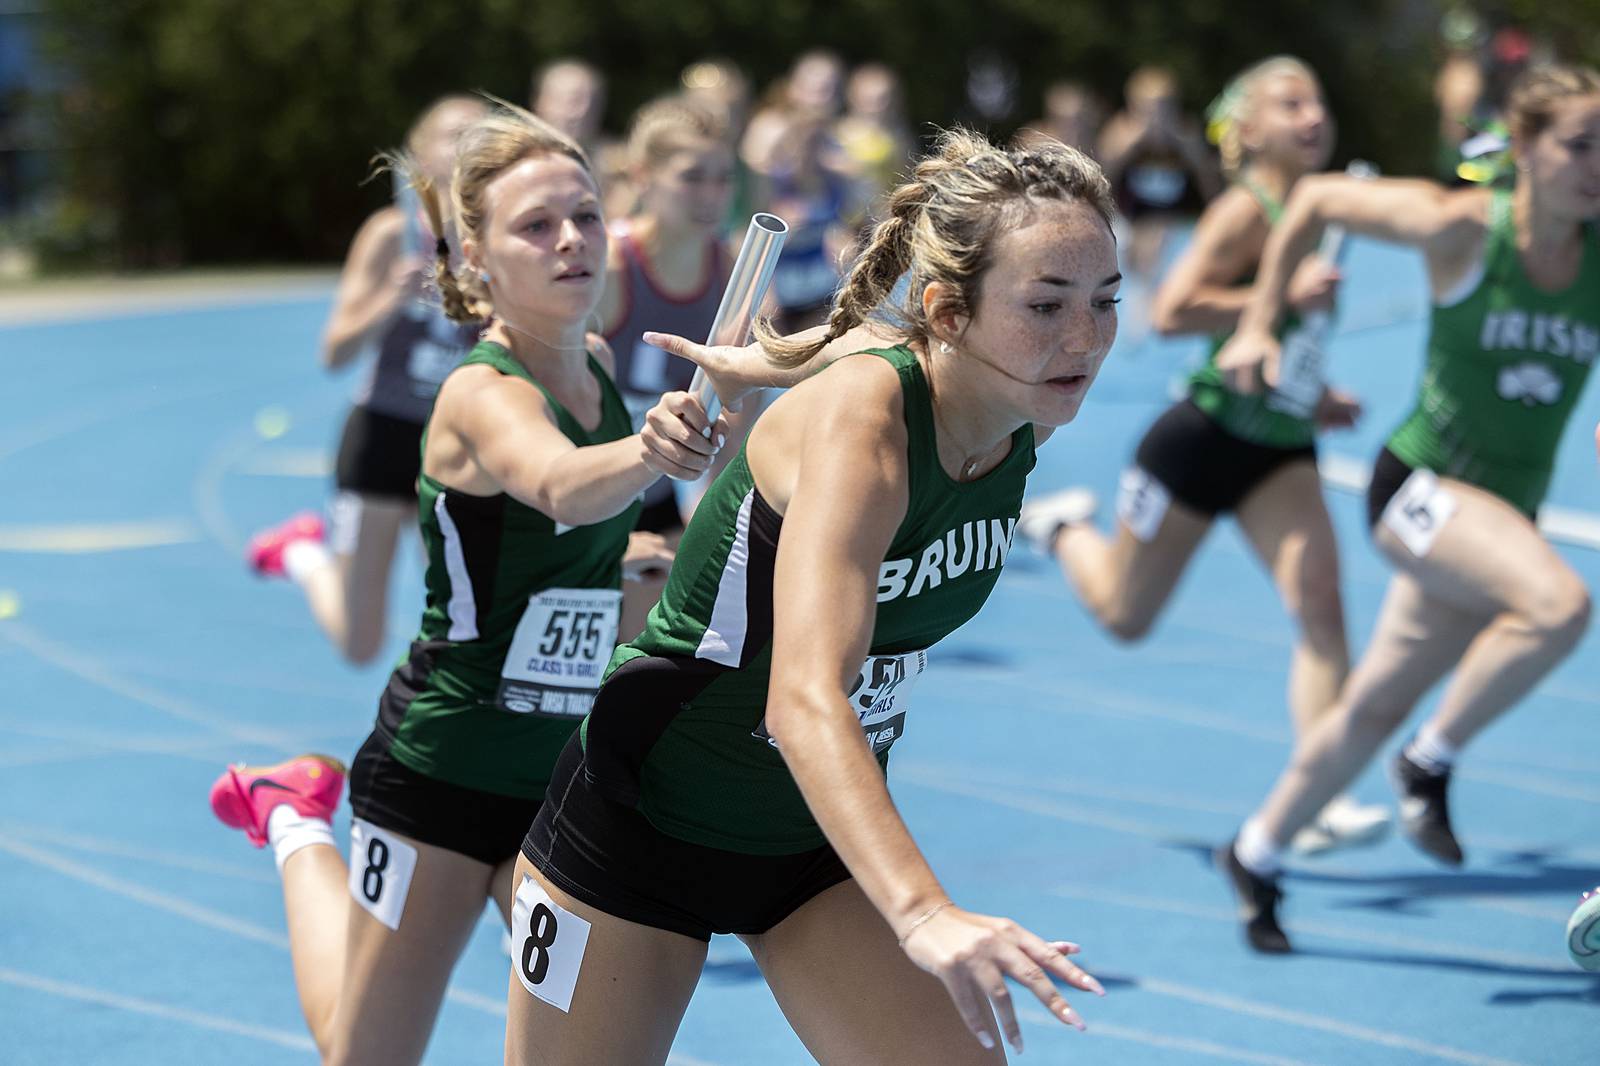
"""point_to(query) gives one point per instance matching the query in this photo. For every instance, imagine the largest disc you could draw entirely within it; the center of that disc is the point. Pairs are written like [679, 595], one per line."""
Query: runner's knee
[1559, 612]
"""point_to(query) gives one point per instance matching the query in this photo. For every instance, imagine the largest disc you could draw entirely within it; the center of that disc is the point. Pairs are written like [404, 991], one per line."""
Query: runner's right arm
[376, 281]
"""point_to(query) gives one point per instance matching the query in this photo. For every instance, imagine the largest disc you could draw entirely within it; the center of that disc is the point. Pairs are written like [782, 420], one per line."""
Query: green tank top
[1248, 416]
[520, 621]
[1505, 368]
[693, 754]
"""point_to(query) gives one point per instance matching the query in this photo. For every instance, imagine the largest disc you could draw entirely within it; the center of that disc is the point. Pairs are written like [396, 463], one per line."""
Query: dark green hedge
[232, 130]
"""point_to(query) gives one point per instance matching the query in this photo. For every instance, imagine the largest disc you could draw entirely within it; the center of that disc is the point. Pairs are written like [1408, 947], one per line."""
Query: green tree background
[208, 131]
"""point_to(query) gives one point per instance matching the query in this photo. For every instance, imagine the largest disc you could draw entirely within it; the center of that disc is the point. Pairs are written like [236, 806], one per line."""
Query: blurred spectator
[874, 138]
[810, 90]
[570, 94]
[721, 87]
[819, 204]
[1158, 163]
[1072, 115]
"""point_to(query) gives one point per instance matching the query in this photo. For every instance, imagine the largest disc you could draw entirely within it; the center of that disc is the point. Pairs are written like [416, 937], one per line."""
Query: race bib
[1300, 379]
[547, 945]
[1419, 511]
[560, 649]
[381, 866]
[1142, 503]
[878, 696]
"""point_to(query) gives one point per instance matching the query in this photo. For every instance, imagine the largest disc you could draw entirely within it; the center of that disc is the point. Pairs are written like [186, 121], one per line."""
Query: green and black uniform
[1211, 449]
[520, 620]
[1506, 365]
[673, 807]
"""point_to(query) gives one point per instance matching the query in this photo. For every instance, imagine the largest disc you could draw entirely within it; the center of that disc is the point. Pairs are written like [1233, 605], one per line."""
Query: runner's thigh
[852, 994]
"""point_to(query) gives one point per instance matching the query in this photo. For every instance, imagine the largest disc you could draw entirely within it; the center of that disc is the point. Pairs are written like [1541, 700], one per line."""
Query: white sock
[304, 555]
[1256, 852]
[288, 831]
[1431, 751]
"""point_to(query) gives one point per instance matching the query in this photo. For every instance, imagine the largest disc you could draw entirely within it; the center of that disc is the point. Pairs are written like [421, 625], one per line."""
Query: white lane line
[258, 873]
[120, 886]
[81, 744]
[474, 1001]
[1544, 966]
[289, 462]
[1542, 786]
[1036, 805]
[1083, 698]
[992, 790]
[946, 772]
[194, 912]
[60, 655]
[1301, 1019]
[84, 538]
[66, 423]
[1187, 1045]
[100, 998]
[1089, 699]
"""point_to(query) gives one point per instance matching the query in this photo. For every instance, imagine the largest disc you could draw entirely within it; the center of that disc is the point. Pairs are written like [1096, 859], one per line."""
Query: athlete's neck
[675, 255]
[1270, 180]
[545, 348]
[969, 431]
[1541, 233]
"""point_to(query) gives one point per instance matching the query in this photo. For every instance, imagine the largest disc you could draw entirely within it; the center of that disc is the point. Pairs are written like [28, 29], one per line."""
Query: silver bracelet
[922, 919]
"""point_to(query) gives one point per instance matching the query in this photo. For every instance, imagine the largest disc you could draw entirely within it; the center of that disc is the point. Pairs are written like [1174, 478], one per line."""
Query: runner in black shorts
[380, 312]
[529, 484]
[730, 777]
[1220, 452]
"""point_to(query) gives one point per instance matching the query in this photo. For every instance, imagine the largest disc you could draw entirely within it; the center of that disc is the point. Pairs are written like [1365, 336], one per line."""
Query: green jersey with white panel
[1506, 365]
[521, 619]
[678, 730]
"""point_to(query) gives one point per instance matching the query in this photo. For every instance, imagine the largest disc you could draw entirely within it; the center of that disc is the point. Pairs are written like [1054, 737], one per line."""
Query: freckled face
[1046, 310]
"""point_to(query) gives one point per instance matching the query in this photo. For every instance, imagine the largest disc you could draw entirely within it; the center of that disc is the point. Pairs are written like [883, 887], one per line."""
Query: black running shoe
[1424, 809]
[1258, 902]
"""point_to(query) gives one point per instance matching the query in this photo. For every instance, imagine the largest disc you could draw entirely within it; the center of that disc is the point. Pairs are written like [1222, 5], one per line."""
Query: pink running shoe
[244, 796]
[265, 551]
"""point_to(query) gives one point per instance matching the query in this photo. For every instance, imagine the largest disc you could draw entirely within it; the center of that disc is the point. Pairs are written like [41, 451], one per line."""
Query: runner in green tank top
[1515, 278]
[731, 775]
[529, 482]
[1221, 450]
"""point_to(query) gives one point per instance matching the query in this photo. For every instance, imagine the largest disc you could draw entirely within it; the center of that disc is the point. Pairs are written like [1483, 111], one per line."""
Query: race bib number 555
[559, 651]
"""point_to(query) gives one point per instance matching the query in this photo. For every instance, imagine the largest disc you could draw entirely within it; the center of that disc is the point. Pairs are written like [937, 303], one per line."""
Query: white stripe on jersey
[723, 640]
[463, 608]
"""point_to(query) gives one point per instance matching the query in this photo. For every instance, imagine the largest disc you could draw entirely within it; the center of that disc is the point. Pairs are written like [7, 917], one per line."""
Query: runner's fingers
[971, 1006]
[687, 406]
[993, 982]
[675, 429]
[676, 461]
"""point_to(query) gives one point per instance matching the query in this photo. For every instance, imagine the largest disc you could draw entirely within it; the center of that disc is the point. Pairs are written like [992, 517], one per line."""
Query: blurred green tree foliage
[241, 130]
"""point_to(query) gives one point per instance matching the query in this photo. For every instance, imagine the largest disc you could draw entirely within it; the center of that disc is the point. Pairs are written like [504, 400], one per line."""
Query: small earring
[944, 347]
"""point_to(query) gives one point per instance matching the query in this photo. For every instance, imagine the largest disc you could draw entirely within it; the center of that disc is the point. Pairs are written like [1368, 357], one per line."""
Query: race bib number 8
[1142, 503]
[381, 866]
[547, 945]
[1419, 511]
[559, 651]
[879, 697]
